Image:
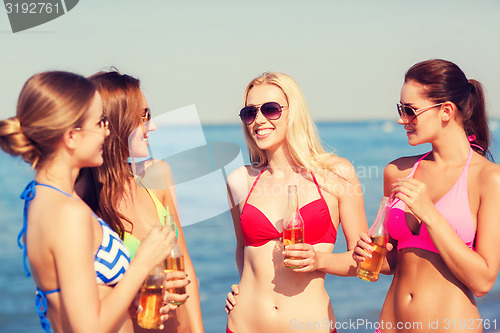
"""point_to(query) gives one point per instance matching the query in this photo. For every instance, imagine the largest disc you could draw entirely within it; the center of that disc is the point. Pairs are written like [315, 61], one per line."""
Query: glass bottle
[151, 299]
[293, 224]
[174, 262]
[369, 269]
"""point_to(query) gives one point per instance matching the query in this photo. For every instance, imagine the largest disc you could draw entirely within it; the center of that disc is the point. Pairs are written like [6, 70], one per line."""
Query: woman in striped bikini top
[80, 266]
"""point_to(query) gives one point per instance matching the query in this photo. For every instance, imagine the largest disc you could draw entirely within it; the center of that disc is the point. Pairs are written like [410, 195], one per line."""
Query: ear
[448, 111]
[70, 138]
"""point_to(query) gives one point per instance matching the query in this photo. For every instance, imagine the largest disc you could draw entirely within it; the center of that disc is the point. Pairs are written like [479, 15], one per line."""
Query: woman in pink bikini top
[443, 222]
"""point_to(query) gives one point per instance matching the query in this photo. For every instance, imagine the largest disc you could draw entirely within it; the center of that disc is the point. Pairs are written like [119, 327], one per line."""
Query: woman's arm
[73, 248]
[237, 187]
[343, 187]
[352, 217]
[193, 302]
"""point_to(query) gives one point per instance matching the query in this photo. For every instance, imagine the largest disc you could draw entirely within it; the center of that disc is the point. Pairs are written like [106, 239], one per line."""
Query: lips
[263, 133]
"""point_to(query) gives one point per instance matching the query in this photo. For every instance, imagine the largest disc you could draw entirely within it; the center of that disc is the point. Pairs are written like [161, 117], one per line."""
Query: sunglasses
[146, 116]
[270, 110]
[104, 122]
[411, 113]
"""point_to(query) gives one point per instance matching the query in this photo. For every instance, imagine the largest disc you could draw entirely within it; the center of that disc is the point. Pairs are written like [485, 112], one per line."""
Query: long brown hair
[444, 81]
[121, 96]
[49, 104]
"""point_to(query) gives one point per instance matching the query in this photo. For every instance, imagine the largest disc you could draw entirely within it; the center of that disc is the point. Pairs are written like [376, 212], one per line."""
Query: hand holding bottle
[174, 262]
[175, 280]
[370, 257]
[155, 246]
[303, 256]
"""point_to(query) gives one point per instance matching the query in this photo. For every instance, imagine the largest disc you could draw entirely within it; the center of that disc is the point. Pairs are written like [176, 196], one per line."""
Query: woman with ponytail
[83, 273]
[444, 215]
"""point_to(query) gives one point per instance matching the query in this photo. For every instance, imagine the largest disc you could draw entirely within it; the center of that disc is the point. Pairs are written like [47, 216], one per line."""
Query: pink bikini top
[318, 226]
[453, 206]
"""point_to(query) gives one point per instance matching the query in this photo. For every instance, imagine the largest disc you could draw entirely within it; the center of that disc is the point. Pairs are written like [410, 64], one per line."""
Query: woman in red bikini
[444, 215]
[285, 150]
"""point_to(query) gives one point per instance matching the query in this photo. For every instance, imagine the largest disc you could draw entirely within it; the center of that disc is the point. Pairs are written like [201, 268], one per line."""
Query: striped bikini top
[110, 261]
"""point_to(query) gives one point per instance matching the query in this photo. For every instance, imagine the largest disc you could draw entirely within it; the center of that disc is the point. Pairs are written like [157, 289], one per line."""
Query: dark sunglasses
[146, 116]
[270, 110]
[411, 113]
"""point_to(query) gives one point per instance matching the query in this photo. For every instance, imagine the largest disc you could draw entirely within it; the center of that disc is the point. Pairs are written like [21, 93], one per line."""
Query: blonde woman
[285, 150]
[85, 279]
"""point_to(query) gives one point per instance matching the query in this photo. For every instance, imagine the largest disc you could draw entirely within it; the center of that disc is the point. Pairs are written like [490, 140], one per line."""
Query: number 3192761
[32, 8]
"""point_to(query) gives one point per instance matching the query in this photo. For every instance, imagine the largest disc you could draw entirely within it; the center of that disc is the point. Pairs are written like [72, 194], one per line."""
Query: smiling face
[425, 127]
[267, 134]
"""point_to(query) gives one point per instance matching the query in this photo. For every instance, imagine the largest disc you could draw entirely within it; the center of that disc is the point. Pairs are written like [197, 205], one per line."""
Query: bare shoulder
[156, 173]
[239, 181]
[339, 166]
[239, 177]
[339, 173]
[489, 174]
[63, 218]
[401, 167]
[74, 213]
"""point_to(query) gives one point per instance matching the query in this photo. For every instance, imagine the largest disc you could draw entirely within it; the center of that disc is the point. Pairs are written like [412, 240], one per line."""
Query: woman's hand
[156, 246]
[363, 248]
[231, 299]
[173, 280]
[414, 194]
[304, 256]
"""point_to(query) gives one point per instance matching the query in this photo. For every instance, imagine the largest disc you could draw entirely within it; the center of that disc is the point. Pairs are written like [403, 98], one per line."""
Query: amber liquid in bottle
[369, 269]
[293, 225]
[174, 262]
[151, 299]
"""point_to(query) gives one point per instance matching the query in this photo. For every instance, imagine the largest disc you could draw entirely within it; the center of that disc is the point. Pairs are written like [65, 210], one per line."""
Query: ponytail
[475, 119]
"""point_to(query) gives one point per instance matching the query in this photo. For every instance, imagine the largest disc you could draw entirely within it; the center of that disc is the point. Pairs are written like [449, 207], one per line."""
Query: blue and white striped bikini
[110, 263]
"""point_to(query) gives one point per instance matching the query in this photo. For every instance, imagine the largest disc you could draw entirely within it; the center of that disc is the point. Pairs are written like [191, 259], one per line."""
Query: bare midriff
[426, 297]
[274, 298]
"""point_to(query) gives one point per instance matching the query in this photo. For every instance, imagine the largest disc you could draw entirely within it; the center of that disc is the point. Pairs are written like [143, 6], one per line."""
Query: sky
[348, 56]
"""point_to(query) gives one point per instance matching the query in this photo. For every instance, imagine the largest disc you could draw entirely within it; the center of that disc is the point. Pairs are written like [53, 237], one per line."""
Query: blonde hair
[302, 137]
[49, 104]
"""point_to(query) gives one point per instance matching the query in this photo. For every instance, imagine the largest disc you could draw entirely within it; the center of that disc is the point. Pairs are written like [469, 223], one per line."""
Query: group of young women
[94, 217]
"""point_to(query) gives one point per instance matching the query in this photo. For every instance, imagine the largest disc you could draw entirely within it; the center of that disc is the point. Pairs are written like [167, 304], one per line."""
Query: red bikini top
[318, 226]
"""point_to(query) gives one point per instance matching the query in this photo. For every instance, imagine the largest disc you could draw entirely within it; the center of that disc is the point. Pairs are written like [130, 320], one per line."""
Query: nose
[259, 117]
[151, 126]
[401, 121]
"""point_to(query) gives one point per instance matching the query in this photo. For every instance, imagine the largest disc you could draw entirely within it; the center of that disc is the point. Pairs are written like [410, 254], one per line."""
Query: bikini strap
[27, 195]
[156, 201]
[469, 158]
[317, 185]
[417, 163]
[254, 183]
[41, 307]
